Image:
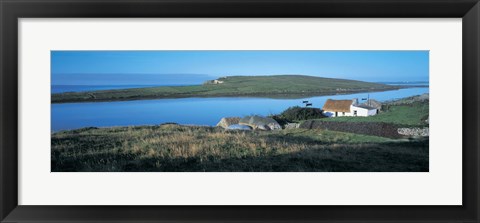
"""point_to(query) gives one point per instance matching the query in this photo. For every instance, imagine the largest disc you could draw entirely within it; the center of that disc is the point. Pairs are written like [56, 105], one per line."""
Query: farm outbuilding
[364, 110]
[339, 108]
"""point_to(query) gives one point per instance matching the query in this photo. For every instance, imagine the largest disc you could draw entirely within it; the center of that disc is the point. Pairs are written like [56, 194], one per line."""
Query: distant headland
[274, 86]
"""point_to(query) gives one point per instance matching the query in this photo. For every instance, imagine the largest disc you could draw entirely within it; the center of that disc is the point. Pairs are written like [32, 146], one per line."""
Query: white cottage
[338, 108]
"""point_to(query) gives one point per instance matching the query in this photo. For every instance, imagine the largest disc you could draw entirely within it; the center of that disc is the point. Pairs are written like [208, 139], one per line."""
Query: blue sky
[153, 67]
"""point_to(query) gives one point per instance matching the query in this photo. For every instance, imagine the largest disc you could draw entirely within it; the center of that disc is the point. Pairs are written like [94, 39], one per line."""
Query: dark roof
[373, 103]
[365, 106]
[337, 105]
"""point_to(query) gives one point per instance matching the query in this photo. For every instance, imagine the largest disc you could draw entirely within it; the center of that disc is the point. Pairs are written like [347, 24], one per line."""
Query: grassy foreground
[277, 86]
[175, 148]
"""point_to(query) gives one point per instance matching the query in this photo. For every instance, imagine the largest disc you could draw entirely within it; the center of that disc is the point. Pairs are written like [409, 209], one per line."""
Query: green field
[277, 86]
[175, 148]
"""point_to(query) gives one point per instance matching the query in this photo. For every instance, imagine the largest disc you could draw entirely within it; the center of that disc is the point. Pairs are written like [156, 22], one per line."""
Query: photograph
[239, 110]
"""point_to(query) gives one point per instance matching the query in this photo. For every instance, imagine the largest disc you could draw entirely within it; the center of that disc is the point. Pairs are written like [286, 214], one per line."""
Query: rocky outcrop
[228, 121]
[410, 100]
[239, 127]
[253, 122]
[413, 131]
[260, 123]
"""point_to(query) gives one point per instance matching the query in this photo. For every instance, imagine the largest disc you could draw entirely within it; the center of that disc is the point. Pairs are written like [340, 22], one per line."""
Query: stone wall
[414, 131]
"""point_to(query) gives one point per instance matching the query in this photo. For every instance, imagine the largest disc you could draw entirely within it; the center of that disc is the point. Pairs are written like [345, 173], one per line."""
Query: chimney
[355, 101]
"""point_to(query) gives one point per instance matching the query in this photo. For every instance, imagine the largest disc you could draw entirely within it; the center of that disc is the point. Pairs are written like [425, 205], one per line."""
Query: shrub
[282, 121]
[298, 113]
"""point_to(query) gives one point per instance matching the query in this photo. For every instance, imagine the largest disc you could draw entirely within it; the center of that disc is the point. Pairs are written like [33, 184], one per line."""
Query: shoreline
[293, 95]
[392, 102]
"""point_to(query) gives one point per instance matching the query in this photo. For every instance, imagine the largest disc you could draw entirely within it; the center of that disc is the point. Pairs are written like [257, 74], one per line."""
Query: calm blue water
[198, 111]
[407, 83]
[79, 88]
[93, 82]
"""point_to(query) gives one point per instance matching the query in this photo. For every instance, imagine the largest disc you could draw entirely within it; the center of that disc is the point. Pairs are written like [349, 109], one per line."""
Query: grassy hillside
[281, 86]
[175, 148]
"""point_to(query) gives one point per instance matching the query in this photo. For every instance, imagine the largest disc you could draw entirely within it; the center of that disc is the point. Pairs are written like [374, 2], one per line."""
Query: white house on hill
[338, 108]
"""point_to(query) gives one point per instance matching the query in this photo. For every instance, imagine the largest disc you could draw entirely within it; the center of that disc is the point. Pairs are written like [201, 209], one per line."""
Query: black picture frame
[12, 10]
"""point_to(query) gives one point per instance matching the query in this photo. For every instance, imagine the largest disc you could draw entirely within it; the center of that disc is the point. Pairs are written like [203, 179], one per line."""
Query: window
[355, 113]
[343, 113]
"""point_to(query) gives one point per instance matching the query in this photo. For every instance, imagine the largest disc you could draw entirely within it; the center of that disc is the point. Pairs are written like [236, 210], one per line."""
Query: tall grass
[184, 148]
